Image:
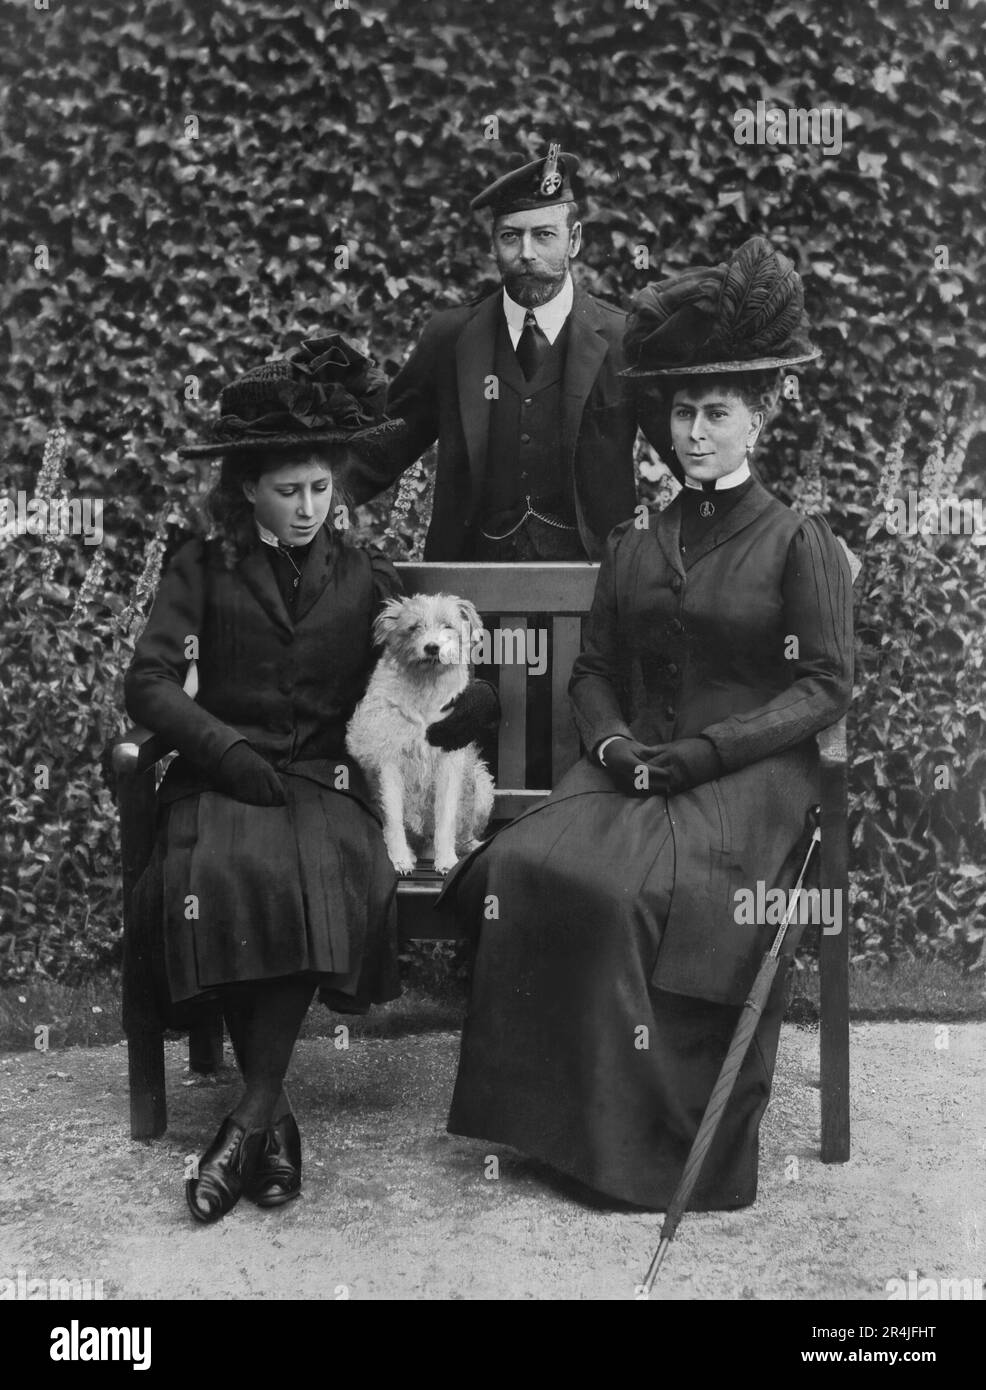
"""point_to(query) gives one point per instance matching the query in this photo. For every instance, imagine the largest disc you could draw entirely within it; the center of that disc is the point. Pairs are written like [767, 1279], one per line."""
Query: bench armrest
[832, 744]
[138, 750]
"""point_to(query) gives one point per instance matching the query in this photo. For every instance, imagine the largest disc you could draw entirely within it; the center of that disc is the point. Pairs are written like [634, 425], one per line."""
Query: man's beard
[534, 288]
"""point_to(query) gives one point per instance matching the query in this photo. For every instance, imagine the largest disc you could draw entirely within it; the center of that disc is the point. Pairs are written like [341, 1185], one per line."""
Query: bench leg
[833, 962]
[834, 1043]
[205, 1045]
[148, 1102]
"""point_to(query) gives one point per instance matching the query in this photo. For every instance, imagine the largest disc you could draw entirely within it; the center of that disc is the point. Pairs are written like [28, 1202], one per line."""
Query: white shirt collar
[728, 480]
[266, 536]
[550, 317]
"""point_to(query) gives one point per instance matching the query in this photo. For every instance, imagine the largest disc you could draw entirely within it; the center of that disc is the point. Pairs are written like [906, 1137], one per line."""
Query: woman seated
[269, 876]
[612, 961]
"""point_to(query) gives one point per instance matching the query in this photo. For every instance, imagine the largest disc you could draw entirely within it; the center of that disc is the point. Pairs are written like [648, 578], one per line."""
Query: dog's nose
[431, 649]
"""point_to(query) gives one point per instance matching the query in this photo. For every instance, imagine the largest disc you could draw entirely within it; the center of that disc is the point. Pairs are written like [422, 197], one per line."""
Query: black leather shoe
[277, 1176]
[224, 1169]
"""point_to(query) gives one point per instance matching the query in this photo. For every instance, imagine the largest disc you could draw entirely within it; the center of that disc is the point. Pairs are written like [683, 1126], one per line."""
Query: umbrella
[738, 1048]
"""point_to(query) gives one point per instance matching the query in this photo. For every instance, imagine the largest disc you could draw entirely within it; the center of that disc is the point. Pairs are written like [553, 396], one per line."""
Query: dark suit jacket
[441, 392]
[288, 689]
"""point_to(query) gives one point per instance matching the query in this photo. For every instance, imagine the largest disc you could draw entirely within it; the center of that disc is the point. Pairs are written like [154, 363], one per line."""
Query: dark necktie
[531, 346]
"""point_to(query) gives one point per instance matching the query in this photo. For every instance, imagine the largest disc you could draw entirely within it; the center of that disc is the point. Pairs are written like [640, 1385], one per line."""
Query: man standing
[522, 391]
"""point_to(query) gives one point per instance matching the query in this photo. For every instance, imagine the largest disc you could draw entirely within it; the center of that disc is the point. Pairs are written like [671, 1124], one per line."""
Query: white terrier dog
[427, 793]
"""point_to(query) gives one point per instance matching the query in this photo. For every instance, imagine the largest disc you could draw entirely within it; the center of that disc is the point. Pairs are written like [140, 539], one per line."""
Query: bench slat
[417, 918]
[511, 802]
[508, 589]
[512, 751]
[566, 639]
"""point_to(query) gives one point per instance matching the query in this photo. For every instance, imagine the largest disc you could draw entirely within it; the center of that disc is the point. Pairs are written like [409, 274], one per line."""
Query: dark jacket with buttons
[746, 640]
[443, 392]
[287, 688]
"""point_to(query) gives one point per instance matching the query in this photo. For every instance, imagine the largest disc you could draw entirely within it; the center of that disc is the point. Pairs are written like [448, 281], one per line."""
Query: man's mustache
[535, 277]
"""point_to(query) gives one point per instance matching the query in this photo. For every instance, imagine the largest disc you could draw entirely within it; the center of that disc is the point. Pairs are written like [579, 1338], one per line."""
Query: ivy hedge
[187, 188]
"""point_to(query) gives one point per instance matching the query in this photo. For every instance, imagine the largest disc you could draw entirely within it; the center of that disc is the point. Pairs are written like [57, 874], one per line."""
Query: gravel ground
[394, 1208]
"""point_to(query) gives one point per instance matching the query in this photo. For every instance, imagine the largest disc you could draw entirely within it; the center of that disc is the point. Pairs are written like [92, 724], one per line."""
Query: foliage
[918, 776]
[194, 173]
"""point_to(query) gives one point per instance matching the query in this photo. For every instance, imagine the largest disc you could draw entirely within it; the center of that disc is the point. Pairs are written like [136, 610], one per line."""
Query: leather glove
[244, 775]
[474, 715]
[682, 764]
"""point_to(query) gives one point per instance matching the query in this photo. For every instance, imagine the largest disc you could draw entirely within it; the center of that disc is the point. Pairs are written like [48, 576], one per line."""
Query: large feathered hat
[326, 392]
[746, 314]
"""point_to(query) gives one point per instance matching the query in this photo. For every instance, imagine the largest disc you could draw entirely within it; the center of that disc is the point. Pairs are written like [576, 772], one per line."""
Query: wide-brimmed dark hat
[744, 315]
[326, 392]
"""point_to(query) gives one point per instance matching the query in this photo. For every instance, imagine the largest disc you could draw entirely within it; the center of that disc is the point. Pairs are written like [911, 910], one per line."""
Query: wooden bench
[504, 595]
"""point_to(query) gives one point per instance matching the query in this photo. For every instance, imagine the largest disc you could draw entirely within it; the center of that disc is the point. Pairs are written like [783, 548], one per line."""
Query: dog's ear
[468, 614]
[386, 620]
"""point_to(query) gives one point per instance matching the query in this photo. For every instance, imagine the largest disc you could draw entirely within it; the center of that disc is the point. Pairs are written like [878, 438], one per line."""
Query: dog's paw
[445, 863]
[402, 858]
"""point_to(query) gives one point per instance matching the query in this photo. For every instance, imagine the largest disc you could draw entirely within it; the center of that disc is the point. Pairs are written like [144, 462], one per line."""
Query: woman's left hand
[474, 716]
[682, 764]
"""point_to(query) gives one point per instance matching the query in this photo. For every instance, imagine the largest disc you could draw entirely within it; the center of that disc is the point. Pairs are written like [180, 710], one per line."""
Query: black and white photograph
[493, 667]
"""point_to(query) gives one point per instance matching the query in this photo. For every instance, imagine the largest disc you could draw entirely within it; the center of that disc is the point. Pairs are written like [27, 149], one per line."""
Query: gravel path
[393, 1207]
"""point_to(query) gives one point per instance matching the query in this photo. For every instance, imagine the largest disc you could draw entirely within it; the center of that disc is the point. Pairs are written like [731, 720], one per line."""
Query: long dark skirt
[238, 895]
[568, 1052]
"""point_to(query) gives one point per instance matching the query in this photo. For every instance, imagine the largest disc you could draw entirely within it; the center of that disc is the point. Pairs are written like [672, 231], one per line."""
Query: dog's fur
[424, 794]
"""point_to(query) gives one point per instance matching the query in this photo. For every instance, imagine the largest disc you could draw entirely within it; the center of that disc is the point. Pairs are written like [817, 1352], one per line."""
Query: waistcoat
[525, 452]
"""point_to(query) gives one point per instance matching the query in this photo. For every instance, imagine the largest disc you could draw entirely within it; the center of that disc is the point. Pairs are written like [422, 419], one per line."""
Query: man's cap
[544, 183]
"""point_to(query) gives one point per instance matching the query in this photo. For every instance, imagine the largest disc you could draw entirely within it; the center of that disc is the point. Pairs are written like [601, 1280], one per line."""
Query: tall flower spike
[970, 422]
[49, 549]
[91, 586]
[130, 618]
[51, 476]
[933, 472]
[888, 486]
[52, 463]
[407, 495]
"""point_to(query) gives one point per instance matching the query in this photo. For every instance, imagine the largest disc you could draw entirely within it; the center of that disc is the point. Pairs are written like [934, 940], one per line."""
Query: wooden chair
[504, 596]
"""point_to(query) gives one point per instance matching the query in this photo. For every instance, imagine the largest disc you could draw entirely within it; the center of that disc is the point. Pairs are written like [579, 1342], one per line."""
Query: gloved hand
[682, 764]
[244, 775]
[475, 714]
[661, 769]
[627, 763]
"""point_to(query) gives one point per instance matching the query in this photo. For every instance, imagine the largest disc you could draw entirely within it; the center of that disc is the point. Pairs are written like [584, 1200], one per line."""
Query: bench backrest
[553, 596]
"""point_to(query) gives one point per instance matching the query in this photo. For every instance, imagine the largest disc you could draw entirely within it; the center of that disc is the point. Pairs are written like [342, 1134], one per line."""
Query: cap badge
[551, 180]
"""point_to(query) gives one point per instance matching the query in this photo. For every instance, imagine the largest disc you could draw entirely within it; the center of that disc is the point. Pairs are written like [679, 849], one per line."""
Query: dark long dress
[610, 967]
[235, 893]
